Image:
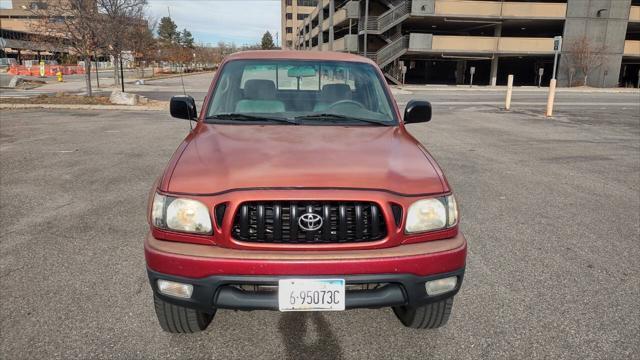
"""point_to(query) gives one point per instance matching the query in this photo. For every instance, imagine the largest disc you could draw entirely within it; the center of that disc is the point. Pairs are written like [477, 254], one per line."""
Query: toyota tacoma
[300, 189]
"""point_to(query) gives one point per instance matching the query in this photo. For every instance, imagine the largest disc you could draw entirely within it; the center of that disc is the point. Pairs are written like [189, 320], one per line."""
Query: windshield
[300, 92]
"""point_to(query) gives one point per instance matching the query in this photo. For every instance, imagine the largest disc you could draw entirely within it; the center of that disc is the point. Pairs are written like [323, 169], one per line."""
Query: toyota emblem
[310, 222]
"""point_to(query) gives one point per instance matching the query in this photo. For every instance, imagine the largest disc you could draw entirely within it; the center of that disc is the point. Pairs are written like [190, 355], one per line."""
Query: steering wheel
[346, 102]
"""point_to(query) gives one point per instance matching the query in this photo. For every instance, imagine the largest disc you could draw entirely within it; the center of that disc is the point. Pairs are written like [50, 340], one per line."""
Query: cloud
[6, 4]
[221, 20]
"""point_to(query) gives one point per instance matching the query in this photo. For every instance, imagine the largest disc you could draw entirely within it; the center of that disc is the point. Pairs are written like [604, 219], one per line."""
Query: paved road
[524, 99]
[72, 84]
[551, 210]
[195, 85]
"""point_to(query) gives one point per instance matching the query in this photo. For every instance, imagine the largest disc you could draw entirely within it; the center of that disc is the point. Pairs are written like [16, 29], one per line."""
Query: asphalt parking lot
[551, 210]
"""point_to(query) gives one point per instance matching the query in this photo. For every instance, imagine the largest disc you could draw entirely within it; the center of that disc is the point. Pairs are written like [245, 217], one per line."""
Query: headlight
[432, 214]
[180, 214]
[452, 210]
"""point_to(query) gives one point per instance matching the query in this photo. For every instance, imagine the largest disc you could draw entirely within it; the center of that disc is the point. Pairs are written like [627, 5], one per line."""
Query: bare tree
[584, 56]
[207, 55]
[73, 22]
[117, 19]
[141, 41]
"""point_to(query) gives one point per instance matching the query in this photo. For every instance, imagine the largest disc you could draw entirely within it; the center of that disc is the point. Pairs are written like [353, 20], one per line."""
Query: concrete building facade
[445, 41]
[19, 37]
[292, 14]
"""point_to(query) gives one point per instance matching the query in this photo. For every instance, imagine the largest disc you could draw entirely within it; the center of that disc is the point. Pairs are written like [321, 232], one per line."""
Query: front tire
[179, 319]
[429, 316]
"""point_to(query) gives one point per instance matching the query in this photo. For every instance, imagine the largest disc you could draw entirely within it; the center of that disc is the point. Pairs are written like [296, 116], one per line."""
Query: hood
[219, 158]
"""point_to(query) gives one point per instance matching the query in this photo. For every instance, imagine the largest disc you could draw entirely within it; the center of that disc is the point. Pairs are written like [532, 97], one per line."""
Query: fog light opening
[175, 289]
[441, 286]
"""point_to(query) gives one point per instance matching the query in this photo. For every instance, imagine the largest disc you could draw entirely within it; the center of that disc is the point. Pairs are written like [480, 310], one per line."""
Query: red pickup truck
[299, 189]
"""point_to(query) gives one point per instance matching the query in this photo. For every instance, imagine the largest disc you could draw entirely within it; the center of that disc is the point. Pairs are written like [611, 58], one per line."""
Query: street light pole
[121, 72]
[95, 55]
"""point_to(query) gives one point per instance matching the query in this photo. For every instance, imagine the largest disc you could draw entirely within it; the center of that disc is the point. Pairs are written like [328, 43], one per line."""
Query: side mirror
[417, 111]
[183, 107]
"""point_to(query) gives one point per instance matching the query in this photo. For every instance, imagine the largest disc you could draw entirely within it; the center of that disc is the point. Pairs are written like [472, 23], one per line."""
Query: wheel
[428, 316]
[179, 319]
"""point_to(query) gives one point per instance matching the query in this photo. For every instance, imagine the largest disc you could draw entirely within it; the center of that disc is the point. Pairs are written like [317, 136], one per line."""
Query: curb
[165, 107]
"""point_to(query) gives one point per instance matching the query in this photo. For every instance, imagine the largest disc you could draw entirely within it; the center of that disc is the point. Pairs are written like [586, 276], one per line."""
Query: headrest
[256, 89]
[335, 92]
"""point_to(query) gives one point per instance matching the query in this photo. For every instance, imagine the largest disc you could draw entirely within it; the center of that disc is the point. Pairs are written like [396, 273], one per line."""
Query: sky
[210, 21]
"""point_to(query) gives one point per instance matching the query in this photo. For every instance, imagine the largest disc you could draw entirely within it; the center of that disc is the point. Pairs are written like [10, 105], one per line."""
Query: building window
[289, 2]
[289, 30]
[307, 2]
[38, 5]
[301, 16]
[289, 16]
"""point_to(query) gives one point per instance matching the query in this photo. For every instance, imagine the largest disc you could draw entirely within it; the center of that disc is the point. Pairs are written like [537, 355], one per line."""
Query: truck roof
[298, 55]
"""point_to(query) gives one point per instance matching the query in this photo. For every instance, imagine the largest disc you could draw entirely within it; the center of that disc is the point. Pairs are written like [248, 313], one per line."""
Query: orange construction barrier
[49, 70]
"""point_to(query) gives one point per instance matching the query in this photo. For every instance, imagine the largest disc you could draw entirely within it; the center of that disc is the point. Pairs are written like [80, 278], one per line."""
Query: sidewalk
[159, 106]
[76, 85]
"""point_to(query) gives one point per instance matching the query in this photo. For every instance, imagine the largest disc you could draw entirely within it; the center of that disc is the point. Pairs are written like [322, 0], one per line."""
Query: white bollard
[507, 101]
[552, 95]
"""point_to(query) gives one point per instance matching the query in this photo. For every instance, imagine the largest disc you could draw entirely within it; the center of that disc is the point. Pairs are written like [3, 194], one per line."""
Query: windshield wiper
[250, 117]
[329, 116]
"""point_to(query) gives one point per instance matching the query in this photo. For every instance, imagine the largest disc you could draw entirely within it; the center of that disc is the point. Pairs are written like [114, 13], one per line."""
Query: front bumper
[222, 291]
[201, 261]
[218, 275]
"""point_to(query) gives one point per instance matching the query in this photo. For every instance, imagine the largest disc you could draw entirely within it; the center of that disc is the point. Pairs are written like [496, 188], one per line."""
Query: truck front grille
[279, 222]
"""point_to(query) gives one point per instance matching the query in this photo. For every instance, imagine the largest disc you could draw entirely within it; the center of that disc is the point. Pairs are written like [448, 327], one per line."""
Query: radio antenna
[184, 91]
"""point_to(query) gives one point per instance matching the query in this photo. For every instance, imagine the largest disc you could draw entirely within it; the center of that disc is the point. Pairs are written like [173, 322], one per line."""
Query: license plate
[311, 295]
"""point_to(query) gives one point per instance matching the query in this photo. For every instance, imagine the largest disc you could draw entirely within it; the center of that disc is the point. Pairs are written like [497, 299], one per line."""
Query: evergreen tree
[167, 31]
[267, 41]
[186, 39]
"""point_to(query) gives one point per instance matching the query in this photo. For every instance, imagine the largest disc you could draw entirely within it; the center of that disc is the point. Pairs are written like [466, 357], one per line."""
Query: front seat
[330, 94]
[259, 97]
